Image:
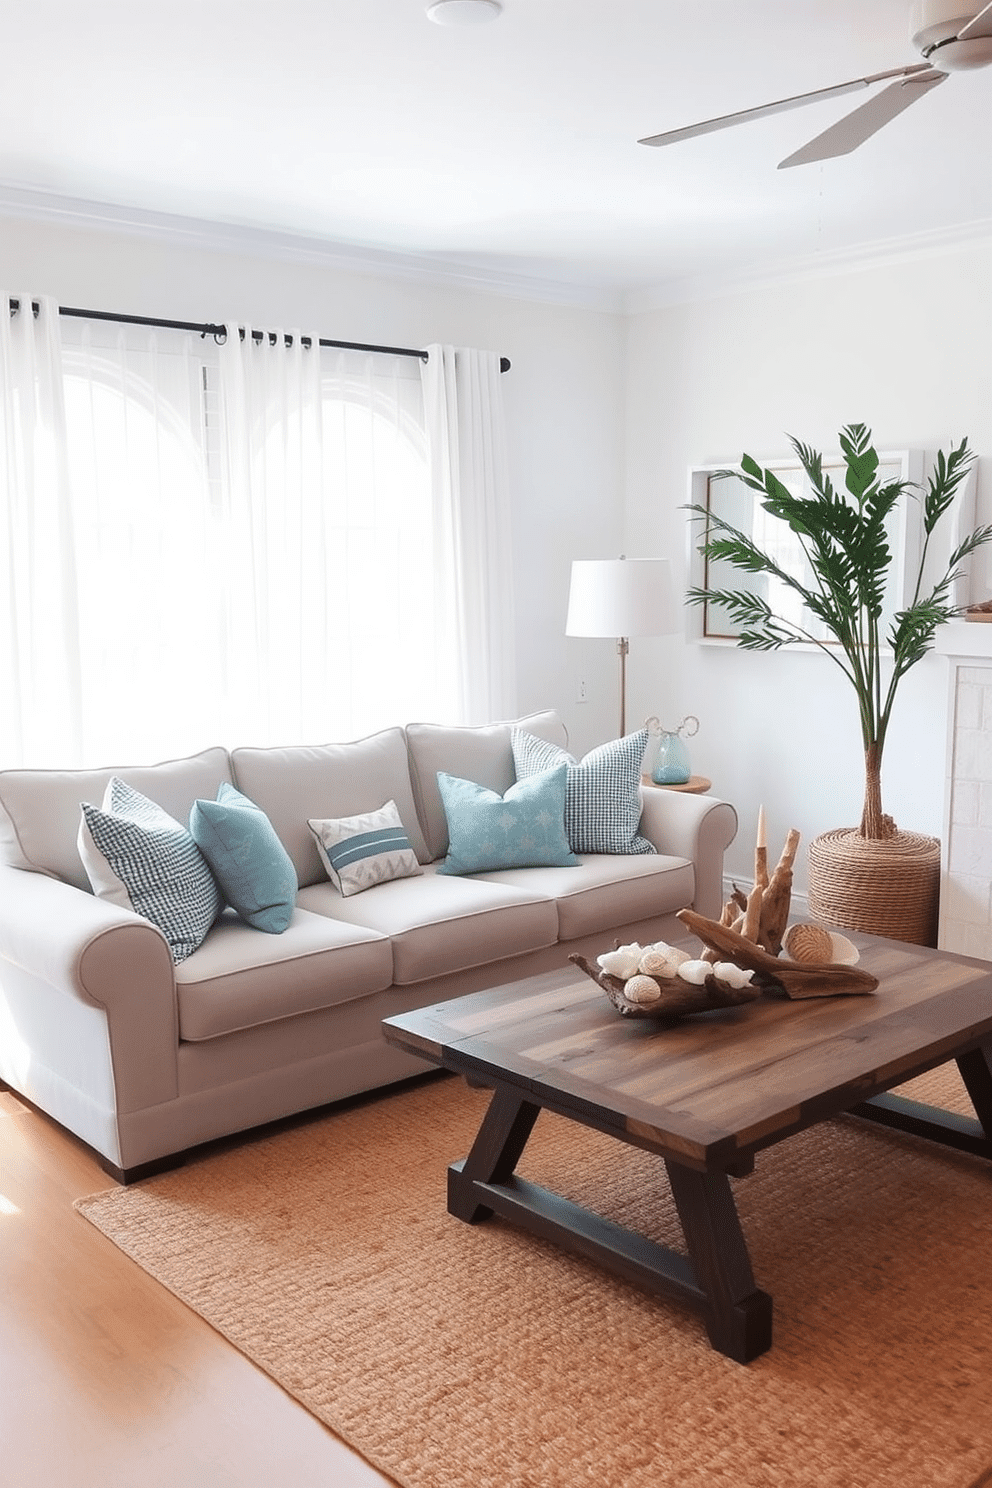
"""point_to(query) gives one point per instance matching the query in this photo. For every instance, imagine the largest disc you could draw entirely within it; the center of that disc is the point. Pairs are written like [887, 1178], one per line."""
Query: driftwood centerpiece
[677, 997]
[795, 978]
[742, 958]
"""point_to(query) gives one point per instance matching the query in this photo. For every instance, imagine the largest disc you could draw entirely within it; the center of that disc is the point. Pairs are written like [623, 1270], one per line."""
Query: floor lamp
[621, 597]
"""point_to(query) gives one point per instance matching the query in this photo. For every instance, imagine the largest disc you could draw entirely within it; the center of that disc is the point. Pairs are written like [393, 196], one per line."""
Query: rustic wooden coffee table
[705, 1094]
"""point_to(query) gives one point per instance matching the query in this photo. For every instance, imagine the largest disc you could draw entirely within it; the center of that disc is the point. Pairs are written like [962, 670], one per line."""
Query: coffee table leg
[495, 1153]
[738, 1315]
[976, 1072]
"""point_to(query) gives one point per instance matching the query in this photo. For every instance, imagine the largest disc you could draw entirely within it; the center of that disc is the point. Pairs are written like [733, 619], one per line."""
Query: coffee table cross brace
[715, 1279]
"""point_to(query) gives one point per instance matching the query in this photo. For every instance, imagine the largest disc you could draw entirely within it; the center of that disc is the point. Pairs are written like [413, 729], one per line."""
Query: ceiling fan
[948, 41]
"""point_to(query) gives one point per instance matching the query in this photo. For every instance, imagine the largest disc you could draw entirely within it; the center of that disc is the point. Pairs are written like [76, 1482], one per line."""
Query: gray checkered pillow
[139, 857]
[603, 797]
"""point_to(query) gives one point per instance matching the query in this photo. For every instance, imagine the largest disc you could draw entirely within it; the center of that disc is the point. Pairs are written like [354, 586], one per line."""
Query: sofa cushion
[607, 890]
[39, 809]
[239, 979]
[603, 803]
[252, 868]
[140, 858]
[321, 782]
[361, 851]
[522, 828]
[482, 755]
[439, 925]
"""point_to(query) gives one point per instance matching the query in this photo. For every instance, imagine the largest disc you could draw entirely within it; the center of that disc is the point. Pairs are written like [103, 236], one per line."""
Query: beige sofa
[144, 1059]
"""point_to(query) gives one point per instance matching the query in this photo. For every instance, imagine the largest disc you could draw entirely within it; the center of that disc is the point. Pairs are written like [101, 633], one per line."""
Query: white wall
[562, 392]
[904, 348]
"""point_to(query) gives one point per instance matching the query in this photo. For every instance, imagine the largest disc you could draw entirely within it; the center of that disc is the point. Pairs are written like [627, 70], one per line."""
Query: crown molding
[880, 253]
[442, 271]
[449, 272]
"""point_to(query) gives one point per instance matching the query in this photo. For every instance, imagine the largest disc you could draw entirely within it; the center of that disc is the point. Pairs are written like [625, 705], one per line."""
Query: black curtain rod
[207, 328]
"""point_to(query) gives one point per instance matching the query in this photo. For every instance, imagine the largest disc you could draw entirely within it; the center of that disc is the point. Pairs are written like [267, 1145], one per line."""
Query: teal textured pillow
[523, 829]
[254, 870]
[603, 800]
[137, 856]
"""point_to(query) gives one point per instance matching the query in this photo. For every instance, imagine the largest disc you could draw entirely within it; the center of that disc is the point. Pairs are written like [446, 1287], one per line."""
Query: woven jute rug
[457, 1356]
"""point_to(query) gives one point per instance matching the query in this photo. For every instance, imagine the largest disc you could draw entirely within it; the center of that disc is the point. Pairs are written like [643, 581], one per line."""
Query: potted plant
[843, 535]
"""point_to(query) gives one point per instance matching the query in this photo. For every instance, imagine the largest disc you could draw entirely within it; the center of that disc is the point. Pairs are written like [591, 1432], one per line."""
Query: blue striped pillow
[360, 851]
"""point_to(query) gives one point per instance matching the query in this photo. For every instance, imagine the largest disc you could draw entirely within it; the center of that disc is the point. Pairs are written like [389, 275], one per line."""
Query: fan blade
[726, 121]
[979, 25]
[851, 131]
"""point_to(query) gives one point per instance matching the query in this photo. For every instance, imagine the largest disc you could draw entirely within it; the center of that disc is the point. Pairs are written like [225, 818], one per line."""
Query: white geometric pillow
[603, 795]
[140, 858]
[360, 851]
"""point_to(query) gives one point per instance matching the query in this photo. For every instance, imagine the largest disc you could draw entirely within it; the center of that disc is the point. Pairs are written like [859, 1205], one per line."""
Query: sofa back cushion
[483, 755]
[300, 783]
[40, 809]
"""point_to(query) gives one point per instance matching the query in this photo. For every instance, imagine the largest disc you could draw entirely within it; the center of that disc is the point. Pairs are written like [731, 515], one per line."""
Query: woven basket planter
[889, 887]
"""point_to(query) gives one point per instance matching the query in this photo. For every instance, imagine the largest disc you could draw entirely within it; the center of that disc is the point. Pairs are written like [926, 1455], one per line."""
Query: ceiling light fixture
[463, 12]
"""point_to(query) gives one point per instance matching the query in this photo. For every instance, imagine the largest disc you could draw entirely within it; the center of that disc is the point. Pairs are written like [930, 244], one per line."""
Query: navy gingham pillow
[140, 858]
[603, 796]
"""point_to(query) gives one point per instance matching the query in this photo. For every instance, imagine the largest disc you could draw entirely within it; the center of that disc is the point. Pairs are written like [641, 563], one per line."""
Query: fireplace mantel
[966, 850]
[964, 638]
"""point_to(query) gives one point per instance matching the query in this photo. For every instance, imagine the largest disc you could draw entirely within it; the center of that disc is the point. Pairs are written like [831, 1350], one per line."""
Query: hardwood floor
[105, 1378]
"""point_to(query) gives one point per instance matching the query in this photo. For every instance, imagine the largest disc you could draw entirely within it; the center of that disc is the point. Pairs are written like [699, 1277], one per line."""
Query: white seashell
[622, 962]
[641, 989]
[678, 957]
[695, 972]
[845, 952]
[731, 975]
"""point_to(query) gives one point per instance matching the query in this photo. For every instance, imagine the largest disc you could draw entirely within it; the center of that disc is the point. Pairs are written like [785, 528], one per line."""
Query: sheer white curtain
[40, 719]
[265, 542]
[472, 554]
[326, 507]
[275, 579]
[147, 552]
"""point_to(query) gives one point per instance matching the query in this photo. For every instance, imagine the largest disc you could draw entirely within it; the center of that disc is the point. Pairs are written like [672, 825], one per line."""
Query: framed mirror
[734, 502]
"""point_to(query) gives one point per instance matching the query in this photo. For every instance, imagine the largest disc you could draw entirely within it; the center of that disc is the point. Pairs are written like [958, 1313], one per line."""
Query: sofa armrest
[699, 828]
[80, 947]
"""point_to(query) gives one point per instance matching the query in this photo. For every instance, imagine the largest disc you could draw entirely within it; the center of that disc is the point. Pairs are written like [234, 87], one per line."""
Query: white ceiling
[506, 149]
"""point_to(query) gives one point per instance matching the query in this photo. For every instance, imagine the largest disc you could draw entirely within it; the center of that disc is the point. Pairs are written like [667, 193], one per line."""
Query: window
[299, 607]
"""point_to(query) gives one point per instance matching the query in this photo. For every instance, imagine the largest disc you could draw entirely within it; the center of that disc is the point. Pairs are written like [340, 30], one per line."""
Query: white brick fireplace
[966, 879]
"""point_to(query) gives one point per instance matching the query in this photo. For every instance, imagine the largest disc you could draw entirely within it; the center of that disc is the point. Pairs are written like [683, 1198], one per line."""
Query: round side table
[696, 785]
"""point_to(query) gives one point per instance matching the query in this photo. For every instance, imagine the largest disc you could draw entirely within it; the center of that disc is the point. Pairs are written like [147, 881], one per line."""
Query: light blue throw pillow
[254, 870]
[137, 856]
[525, 828]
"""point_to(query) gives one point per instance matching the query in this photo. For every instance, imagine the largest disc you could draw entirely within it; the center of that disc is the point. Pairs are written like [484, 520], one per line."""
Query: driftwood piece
[761, 851]
[677, 997]
[777, 898]
[797, 978]
[752, 914]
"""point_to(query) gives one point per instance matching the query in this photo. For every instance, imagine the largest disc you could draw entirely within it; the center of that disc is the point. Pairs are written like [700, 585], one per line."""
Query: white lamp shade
[621, 597]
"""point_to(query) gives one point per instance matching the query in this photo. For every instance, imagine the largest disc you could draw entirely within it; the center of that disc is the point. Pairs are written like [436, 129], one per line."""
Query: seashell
[846, 952]
[731, 975]
[695, 972]
[655, 961]
[622, 963]
[641, 989]
[809, 943]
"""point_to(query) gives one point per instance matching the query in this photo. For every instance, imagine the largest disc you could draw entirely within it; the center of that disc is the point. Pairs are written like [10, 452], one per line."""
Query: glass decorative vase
[671, 765]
